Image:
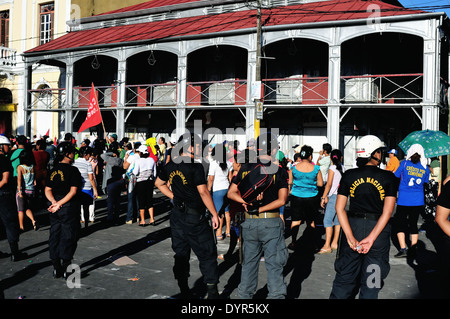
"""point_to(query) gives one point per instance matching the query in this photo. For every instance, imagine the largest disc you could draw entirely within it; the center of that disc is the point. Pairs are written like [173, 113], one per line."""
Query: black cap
[266, 143]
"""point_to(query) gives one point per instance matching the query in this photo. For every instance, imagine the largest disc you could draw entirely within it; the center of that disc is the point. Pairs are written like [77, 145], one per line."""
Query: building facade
[25, 24]
[318, 71]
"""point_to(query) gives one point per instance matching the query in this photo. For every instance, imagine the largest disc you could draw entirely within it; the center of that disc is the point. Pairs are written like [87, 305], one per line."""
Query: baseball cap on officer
[368, 144]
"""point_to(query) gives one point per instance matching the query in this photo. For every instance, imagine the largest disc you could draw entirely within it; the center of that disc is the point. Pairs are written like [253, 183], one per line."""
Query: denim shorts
[218, 199]
[330, 219]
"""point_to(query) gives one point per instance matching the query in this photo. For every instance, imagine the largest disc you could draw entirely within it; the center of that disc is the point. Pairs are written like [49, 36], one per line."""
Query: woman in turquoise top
[304, 180]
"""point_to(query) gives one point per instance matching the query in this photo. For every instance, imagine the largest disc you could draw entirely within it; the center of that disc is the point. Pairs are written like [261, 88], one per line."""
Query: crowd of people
[221, 190]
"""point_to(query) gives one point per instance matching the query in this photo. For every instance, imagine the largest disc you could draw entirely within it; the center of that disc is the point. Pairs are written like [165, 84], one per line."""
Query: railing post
[68, 123]
[120, 87]
[181, 95]
[334, 88]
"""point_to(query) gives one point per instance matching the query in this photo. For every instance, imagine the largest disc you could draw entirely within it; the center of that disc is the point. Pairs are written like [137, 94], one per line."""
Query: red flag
[93, 115]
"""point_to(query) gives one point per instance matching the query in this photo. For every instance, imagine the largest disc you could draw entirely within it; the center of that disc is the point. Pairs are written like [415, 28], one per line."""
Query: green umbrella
[434, 143]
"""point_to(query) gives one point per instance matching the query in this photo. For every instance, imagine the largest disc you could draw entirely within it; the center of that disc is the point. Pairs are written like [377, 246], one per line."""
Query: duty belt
[263, 215]
[371, 216]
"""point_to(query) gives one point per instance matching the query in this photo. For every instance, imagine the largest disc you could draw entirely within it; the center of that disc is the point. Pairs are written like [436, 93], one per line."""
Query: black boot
[16, 255]
[57, 269]
[184, 289]
[66, 264]
[213, 293]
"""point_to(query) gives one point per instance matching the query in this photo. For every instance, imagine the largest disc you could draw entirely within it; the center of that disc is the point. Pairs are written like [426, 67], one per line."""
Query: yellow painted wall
[92, 7]
[24, 35]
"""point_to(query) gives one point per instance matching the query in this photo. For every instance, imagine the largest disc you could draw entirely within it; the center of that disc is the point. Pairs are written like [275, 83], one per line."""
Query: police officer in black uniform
[8, 210]
[63, 184]
[263, 229]
[363, 256]
[183, 180]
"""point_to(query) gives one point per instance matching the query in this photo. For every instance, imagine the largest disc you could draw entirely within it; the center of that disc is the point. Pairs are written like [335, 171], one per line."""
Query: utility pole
[258, 102]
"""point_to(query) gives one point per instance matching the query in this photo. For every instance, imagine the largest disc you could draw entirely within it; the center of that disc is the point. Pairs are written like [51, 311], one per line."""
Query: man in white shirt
[89, 190]
[324, 161]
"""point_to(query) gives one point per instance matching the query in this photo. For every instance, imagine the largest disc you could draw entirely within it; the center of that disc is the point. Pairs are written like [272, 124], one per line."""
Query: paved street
[131, 262]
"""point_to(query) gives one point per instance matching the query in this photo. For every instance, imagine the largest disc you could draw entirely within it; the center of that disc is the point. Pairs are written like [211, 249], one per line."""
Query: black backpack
[255, 182]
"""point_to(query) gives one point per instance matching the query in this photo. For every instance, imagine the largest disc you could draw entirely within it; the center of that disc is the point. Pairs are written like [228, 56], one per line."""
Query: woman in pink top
[328, 202]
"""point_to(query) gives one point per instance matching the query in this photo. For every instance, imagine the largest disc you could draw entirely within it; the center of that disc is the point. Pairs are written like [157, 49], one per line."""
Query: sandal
[324, 251]
[219, 237]
[35, 225]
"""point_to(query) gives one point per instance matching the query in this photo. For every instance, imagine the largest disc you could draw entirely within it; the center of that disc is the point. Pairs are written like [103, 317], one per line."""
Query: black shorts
[144, 194]
[304, 209]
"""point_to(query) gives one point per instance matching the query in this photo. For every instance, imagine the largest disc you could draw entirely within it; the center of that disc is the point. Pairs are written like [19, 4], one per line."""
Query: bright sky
[428, 5]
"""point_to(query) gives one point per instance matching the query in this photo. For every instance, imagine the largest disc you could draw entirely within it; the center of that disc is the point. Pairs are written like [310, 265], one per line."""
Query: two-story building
[324, 71]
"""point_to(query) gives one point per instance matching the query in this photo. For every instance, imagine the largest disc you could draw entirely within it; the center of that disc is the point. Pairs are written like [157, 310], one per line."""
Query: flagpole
[104, 130]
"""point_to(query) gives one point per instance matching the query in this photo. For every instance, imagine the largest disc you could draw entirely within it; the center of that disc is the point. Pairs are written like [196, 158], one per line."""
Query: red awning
[337, 10]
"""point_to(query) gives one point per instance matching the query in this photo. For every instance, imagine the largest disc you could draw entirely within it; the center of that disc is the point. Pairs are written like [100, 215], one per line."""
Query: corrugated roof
[336, 10]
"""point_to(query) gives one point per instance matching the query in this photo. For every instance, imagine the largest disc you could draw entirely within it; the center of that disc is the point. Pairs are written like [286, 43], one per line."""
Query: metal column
[334, 84]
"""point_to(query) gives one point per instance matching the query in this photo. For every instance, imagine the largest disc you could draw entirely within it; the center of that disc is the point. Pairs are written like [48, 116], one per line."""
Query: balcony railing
[46, 99]
[298, 90]
[295, 90]
[7, 56]
[145, 95]
[216, 93]
[106, 96]
[382, 89]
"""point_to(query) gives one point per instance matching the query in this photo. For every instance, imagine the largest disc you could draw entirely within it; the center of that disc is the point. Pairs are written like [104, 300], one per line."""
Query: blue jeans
[263, 236]
[113, 201]
[132, 206]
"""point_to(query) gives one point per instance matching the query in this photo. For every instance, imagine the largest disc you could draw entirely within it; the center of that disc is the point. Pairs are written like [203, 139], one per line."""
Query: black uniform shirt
[184, 176]
[5, 166]
[444, 198]
[61, 178]
[280, 180]
[367, 187]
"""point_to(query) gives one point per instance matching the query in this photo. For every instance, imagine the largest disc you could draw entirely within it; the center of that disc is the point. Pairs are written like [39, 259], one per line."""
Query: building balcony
[388, 90]
[8, 61]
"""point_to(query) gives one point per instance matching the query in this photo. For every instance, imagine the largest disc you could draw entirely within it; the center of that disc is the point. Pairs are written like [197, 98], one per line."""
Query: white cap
[142, 149]
[4, 140]
[173, 139]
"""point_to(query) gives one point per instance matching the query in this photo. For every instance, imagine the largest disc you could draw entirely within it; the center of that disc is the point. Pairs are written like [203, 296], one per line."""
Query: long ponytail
[336, 156]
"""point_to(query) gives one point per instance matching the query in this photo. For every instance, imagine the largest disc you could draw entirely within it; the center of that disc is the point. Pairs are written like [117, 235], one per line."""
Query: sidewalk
[131, 262]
